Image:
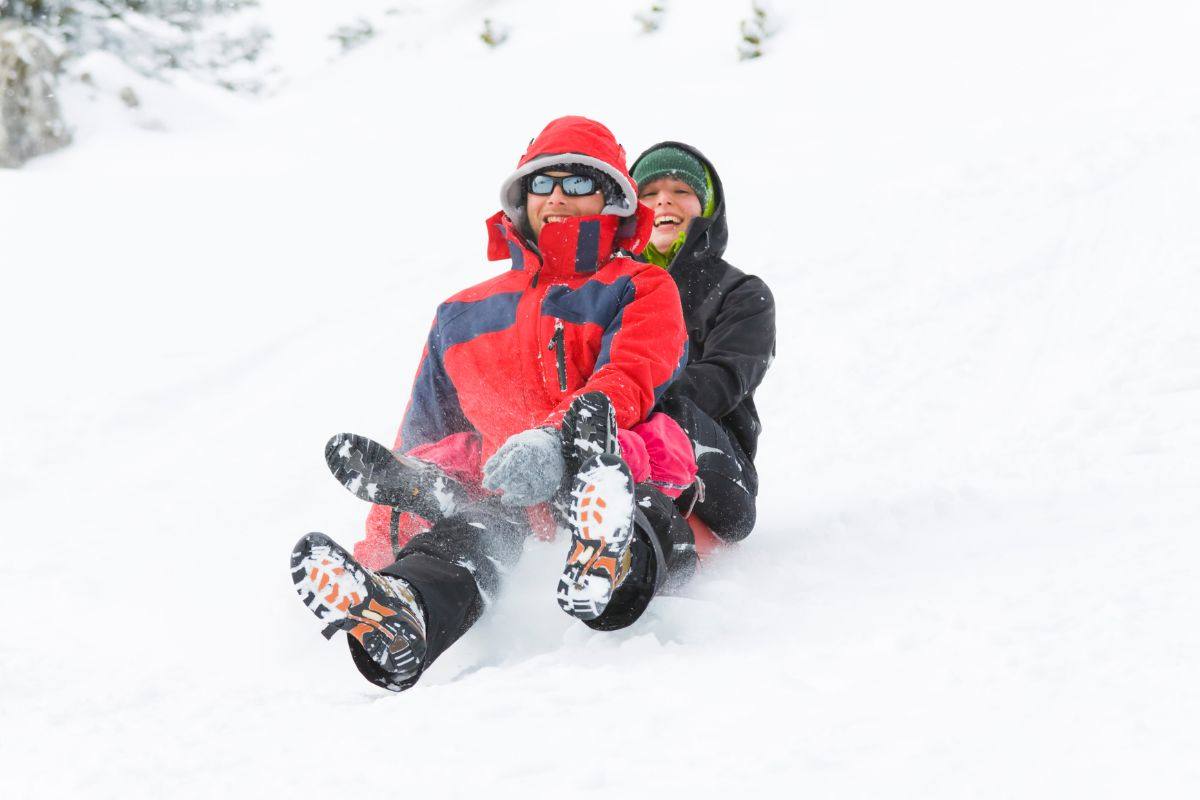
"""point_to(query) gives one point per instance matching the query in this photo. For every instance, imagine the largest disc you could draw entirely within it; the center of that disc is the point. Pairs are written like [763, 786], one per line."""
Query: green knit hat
[676, 163]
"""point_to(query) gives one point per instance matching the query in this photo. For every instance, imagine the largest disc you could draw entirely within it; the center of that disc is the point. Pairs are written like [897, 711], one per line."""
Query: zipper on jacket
[560, 355]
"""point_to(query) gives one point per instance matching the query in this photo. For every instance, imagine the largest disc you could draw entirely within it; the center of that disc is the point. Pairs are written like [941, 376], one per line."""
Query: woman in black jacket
[730, 319]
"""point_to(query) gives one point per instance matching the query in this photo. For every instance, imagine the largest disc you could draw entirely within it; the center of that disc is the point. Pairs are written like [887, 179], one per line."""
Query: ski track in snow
[974, 570]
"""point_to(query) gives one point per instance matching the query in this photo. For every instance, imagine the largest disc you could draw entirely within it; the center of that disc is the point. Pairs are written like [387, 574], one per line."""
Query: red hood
[572, 140]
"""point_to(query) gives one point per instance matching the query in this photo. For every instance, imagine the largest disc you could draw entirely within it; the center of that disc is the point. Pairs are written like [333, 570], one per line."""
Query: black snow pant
[457, 566]
[725, 496]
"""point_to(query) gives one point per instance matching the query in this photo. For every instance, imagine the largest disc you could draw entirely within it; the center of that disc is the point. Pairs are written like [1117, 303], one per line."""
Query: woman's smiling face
[674, 204]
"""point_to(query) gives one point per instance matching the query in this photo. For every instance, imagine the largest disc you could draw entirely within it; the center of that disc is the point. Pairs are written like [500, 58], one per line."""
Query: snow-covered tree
[200, 36]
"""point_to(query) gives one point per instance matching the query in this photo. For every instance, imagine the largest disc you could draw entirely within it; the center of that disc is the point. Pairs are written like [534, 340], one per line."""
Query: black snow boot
[372, 472]
[662, 560]
[380, 612]
[597, 505]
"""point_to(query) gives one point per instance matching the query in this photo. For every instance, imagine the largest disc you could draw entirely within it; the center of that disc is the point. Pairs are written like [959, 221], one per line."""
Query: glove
[527, 469]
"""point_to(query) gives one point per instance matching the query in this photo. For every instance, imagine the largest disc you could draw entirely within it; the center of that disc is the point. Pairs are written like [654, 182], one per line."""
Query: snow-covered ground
[975, 573]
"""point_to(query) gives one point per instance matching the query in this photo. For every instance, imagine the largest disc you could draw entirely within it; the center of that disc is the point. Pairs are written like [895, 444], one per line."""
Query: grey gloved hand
[527, 469]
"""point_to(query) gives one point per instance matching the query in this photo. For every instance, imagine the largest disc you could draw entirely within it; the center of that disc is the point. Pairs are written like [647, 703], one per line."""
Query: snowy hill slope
[974, 570]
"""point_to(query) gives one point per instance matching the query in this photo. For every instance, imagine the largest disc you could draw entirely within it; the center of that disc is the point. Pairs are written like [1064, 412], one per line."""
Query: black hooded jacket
[730, 319]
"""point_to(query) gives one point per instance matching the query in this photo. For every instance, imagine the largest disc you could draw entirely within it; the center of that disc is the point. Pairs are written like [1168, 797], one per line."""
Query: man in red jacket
[573, 319]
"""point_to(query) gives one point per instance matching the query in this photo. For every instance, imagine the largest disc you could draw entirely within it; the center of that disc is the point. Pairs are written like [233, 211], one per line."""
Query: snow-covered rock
[31, 121]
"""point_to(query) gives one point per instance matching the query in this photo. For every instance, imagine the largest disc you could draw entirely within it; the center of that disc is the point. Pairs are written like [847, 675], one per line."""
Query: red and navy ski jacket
[511, 353]
[569, 317]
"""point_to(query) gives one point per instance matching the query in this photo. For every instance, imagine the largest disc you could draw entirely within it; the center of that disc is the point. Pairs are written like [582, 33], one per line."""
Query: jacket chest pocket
[568, 354]
[571, 335]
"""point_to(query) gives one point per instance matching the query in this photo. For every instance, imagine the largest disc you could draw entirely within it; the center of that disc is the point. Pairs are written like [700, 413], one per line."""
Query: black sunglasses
[572, 185]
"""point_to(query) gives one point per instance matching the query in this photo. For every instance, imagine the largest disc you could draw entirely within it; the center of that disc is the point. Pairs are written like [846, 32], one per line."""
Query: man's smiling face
[557, 206]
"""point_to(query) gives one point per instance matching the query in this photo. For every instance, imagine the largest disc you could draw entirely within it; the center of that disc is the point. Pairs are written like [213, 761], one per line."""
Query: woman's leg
[730, 482]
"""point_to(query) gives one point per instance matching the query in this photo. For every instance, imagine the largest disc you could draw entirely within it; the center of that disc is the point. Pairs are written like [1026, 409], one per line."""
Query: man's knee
[480, 547]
